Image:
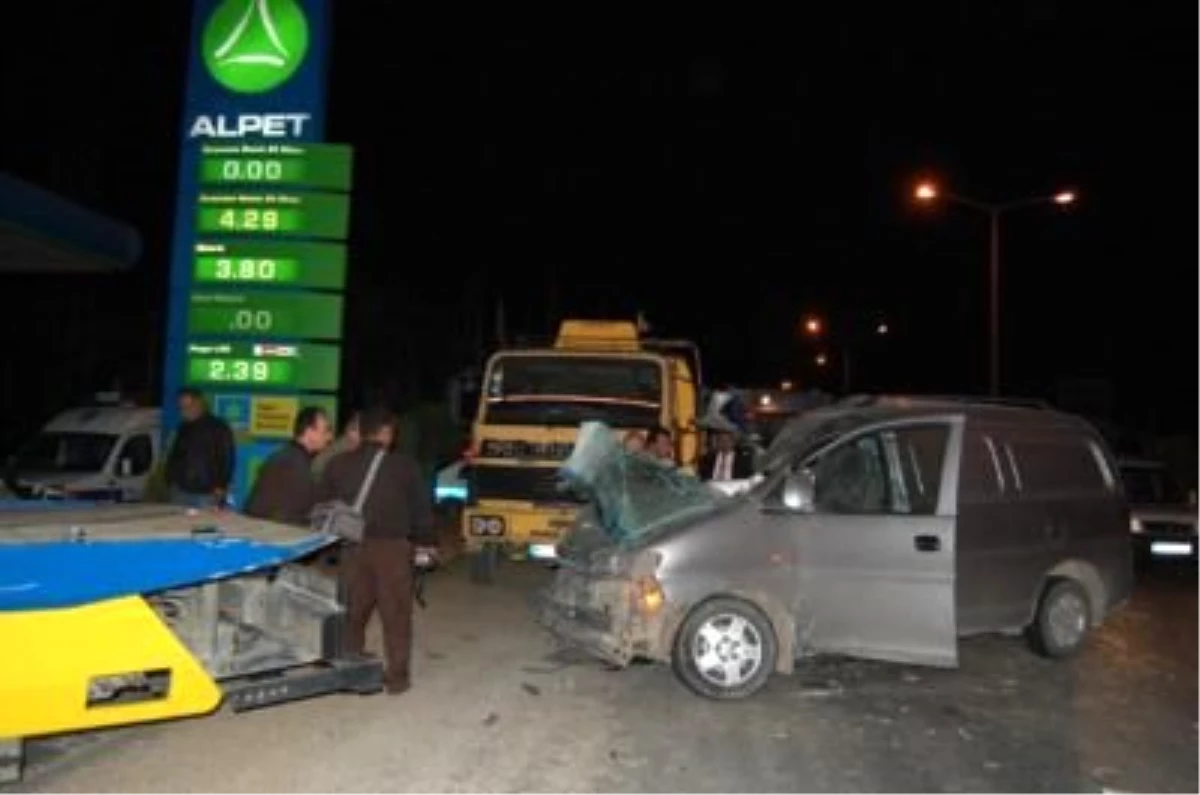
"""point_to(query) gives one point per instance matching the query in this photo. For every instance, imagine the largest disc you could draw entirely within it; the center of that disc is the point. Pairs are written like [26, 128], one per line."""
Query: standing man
[726, 461]
[285, 490]
[398, 522]
[200, 464]
[349, 440]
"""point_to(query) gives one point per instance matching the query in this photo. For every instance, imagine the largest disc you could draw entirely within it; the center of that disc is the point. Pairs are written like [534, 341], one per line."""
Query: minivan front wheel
[1063, 620]
[726, 649]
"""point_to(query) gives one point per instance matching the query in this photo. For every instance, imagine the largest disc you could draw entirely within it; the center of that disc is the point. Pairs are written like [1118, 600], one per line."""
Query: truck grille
[530, 484]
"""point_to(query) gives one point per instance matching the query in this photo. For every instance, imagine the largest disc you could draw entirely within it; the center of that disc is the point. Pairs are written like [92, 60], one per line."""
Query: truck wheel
[1063, 620]
[483, 564]
[725, 650]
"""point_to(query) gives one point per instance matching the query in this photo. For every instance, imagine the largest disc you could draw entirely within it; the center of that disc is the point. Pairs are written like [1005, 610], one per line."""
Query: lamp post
[928, 192]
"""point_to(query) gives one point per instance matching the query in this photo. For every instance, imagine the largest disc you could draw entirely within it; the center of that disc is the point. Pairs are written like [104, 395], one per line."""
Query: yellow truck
[531, 404]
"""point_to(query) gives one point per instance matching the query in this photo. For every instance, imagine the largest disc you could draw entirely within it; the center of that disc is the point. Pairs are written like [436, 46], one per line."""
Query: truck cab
[98, 453]
[531, 405]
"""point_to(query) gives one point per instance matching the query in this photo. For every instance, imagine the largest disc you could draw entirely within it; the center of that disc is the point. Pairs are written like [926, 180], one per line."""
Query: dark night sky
[724, 177]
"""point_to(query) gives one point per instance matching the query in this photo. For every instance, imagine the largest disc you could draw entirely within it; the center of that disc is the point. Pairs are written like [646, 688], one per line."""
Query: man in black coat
[285, 489]
[200, 464]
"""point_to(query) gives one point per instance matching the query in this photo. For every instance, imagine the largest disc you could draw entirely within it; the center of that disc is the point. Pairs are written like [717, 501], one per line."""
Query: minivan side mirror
[798, 491]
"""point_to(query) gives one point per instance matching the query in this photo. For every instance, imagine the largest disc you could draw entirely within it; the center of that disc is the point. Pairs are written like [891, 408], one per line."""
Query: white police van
[100, 452]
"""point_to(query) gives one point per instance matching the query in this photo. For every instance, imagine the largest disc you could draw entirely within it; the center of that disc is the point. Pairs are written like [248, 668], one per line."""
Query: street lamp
[928, 192]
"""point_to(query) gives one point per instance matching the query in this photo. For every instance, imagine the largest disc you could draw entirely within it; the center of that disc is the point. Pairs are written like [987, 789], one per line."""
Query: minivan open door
[876, 551]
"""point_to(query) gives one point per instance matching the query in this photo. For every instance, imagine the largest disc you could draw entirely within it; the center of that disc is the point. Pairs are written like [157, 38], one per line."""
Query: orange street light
[1064, 197]
[926, 191]
[812, 326]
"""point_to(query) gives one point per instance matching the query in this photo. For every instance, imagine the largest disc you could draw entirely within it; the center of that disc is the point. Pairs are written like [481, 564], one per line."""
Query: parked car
[887, 528]
[98, 453]
[1162, 516]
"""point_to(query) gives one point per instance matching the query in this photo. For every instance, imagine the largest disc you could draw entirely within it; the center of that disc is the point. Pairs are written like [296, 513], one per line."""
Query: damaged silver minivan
[884, 528]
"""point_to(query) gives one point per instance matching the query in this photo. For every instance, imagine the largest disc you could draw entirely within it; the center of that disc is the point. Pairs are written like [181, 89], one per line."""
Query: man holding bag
[397, 522]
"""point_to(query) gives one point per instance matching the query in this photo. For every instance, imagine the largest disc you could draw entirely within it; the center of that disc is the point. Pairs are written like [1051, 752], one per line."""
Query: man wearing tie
[726, 461]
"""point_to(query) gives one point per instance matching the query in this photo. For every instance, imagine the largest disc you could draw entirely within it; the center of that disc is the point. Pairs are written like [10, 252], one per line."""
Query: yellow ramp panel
[48, 658]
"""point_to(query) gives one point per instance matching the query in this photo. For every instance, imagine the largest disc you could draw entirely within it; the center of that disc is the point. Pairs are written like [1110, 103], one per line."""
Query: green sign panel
[303, 366]
[324, 215]
[253, 46]
[325, 166]
[319, 266]
[276, 313]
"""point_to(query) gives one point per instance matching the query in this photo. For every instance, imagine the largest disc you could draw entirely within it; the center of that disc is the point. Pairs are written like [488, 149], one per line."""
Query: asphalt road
[496, 708]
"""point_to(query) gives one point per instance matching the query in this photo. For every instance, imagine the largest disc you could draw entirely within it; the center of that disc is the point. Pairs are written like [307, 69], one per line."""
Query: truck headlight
[1135, 525]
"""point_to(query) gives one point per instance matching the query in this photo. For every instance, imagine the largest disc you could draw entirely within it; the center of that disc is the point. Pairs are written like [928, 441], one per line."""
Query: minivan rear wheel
[1063, 620]
[725, 650]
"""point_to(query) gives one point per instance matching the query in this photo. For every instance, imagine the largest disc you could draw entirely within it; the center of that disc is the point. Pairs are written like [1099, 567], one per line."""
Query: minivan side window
[140, 453]
[894, 471]
[1059, 465]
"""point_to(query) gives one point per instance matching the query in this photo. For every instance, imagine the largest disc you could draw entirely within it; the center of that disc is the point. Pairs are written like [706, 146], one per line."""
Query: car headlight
[1135, 525]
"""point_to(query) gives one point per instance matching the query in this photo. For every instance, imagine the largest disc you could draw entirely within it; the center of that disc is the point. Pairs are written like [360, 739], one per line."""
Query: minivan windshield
[1151, 485]
[633, 494]
[65, 452]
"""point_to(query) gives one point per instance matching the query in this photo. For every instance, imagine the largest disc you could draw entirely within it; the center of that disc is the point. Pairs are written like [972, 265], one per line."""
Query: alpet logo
[253, 46]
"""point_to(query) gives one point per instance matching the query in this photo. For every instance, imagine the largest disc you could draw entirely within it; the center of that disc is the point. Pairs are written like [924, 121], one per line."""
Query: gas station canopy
[41, 232]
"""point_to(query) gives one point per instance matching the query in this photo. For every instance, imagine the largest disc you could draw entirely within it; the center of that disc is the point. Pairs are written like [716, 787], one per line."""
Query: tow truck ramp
[124, 614]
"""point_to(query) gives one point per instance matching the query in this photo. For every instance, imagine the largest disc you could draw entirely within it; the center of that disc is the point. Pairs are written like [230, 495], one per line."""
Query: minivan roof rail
[1015, 402]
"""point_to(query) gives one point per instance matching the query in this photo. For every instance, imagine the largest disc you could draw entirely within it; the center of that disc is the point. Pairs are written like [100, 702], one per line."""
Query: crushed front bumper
[583, 628]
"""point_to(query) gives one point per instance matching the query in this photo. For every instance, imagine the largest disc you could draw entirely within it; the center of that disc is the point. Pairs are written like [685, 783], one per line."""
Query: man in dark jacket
[726, 461]
[200, 464]
[285, 490]
[398, 523]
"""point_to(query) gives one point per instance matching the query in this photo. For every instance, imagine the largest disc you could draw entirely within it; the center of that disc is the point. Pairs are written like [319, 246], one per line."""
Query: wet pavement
[496, 707]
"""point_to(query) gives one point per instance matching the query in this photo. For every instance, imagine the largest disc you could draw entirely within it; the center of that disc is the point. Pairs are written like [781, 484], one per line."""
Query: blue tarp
[41, 232]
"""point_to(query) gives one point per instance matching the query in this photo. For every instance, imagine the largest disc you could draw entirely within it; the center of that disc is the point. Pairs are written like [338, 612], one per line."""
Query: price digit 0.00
[246, 270]
[253, 320]
[252, 170]
[249, 219]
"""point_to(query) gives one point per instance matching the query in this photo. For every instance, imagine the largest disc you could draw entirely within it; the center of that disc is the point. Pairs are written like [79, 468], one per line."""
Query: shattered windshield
[632, 494]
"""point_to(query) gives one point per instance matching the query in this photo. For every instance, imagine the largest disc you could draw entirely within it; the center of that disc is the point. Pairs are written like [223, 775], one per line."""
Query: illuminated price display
[260, 372]
[253, 270]
[302, 214]
[325, 166]
[290, 315]
[305, 366]
[252, 262]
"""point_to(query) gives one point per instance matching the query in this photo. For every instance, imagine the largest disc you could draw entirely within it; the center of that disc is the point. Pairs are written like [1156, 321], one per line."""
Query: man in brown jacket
[284, 490]
[398, 522]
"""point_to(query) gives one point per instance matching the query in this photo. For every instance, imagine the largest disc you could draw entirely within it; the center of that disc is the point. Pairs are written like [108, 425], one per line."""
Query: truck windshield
[65, 452]
[569, 390]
